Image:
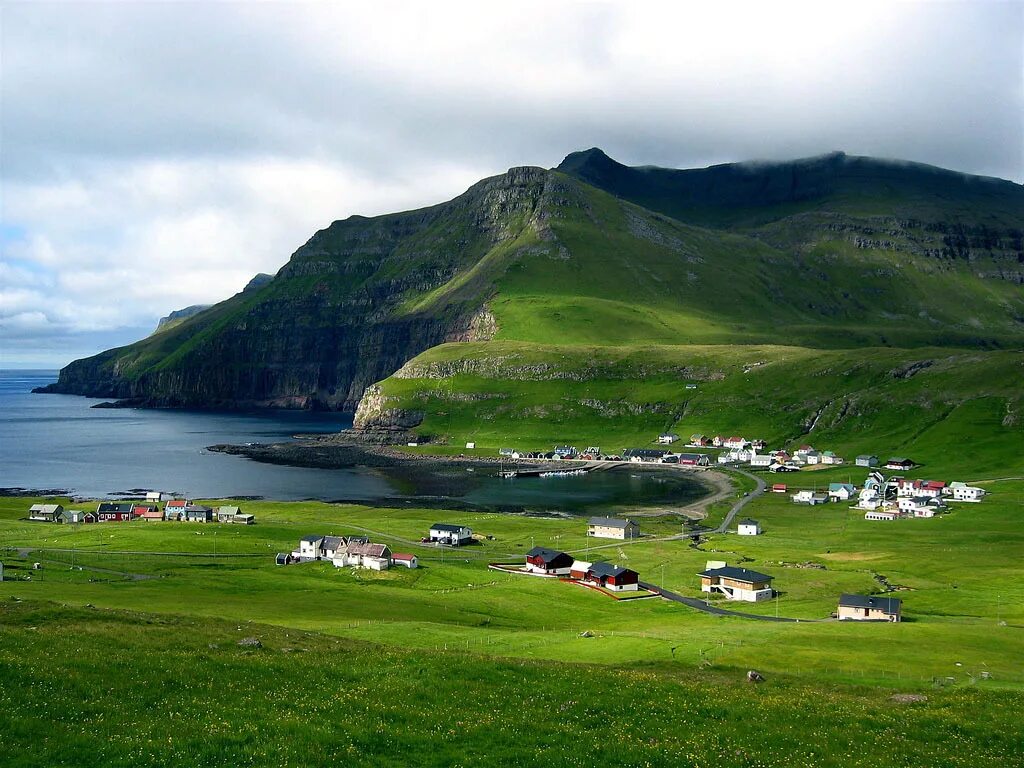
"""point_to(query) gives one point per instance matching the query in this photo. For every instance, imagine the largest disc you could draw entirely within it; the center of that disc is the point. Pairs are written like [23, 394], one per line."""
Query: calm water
[60, 441]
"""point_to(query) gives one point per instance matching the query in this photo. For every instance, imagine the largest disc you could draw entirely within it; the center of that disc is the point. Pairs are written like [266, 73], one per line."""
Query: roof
[311, 538]
[47, 508]
[177, 503]
[333, 542]
[747, 521]
[890, 605]
[198, 508]
[403, 556]
[841, 487]
[899, 460]
[644, 452]
[607, 570]
[546, 555]
[115, 506]
[737, 574]
[227, 510]
[367, 550]
[866, 456]
[446, 527]
[693, 456]
[610, 522]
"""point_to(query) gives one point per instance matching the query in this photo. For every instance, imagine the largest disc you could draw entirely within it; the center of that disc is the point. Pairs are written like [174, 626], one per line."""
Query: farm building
[643, 454]
[883, 513]
[226, 514]
[363, 554]
[284, 558]
[198, 513]
[405, 559]
[608, 576]
[75, 516]
[737, 583]
[779, 488]
[453, 535]
[694, 459]
[612, 528]
[963, 492]
[115, 512]
[45, 513]
[549, 561]
[869, 608]
[748, 527]
[865, 460]
[899, 462]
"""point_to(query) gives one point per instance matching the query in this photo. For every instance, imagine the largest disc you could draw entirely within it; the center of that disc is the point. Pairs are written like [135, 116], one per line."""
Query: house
[963, 492]
[115, 512]
[803, 450]
[594, 450]
[812, 457]
[643, 454]
[45, 513]
[737, 583]
[565, 451]
[453, 535]
[758, 445]
[75, 516]
[226, 514]
[157, 496]
[198, 513]
[883, 513]
[549, 561]
[612, 528]
[699, 441]
[141, 510]
[868, 608]
[921, 506]
[841, 491]
[748, 527]
[362, 554]
[331, 546]
[405, 559]
[761, 460]
[667, 438]
[717, 441]
[509, 452]
[778, 488]
[828, 457]
[694, 459]
[810, 497]
[933, 489]
[175, 509]
[735, 442]
[690, 386]
[611, 577]
[309, 548]
[151, 514]
[864, 460]
[735, 455]
[284, 558]
[471, 445]
[899, 462]
[783, 468]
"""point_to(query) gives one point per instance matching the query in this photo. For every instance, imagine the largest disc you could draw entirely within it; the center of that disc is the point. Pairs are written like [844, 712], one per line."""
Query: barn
[548, 561]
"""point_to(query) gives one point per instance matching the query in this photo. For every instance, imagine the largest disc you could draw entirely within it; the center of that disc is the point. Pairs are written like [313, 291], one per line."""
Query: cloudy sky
[156, 155]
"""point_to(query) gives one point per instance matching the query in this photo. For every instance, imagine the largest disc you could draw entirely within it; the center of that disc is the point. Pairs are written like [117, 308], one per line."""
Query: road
[702, 605]
[727, 521]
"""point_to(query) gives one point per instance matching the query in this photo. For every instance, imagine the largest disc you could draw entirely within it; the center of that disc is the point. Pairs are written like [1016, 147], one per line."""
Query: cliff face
[340, 315]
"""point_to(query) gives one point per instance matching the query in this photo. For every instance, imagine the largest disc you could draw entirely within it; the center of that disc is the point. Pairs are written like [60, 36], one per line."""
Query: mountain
[177, 316]
[825, 253]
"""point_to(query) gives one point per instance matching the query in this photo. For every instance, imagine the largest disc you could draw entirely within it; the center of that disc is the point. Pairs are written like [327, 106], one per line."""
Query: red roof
[934, 485]
[403, 556]
[779, 487]
[156, 514]
[177, 503]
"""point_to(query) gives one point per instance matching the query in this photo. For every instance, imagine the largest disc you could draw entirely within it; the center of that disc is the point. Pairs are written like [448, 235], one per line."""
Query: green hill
[820, 265]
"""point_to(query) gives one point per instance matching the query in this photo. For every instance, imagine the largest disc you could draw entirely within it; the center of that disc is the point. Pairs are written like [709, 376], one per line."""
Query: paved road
[701, 605]
[727, 521]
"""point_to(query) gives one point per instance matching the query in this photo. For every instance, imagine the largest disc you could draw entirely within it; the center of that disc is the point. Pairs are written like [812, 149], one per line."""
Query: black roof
[644, 452]
[747, 521]
[547, 555]
[607, 569]
[738, 574]
[889, 605]
[333, 542]
[115, 506]
[610, 522]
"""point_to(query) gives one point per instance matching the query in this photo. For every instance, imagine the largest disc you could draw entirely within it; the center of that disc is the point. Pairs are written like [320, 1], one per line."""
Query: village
[174, 510]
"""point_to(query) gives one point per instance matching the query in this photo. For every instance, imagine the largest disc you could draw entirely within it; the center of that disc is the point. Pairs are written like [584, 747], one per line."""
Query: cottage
[548, 561]
[717, 441]
[809, 497]
[198, 513]
[812, 457]
[866, 460]
[284, 558]
[363, 554]
[175, 509]
[899, 462]
[643, 454]
[737, 583]
[748, 527]
[699, 441]
[778, 488]
[921, 506]
[868, 608]
[667, 438]
[841, 491]
[963, 492]
[612, 577]
[758, 444]
[309, 548]
[453, 535]
[140, 510]
[735, 442]
[75, 516]
[115, 512]
[828, 457]
[471, 445]
[405, 559]
[612, 528]
[226, 514]
[330, 546]
[694, 459]
[803, 450]
[151, 514]
[45, 513]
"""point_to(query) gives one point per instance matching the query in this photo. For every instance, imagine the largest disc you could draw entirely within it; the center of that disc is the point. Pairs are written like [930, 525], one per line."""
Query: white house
[405, 559]
[868, 498]
[454, 535]
[363, 554]
[812, 457]
[841, 491]
[667, 438]
[866, 460]
[736, 442]
[748, 527]
[809, 497]
[612, 528]
[309, 548]
[883, 513]
[828, 457]
[921, 506]
[47, 513]
[760, 460]
[963, 492]
[737, 583]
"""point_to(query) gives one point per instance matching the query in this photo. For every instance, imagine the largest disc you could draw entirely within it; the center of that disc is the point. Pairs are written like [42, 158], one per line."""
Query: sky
[157, 155]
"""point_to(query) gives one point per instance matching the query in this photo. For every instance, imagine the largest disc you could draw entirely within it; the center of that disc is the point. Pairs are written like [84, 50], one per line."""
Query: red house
[548, 561]
[141, 510]
[115, 512]
[779, 488]
[612, 577]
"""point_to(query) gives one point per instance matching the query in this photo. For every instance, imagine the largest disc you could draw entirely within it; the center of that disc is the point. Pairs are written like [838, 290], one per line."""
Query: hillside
[824, 254]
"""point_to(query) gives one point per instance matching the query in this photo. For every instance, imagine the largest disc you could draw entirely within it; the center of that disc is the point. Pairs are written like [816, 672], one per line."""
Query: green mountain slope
[818, 254]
